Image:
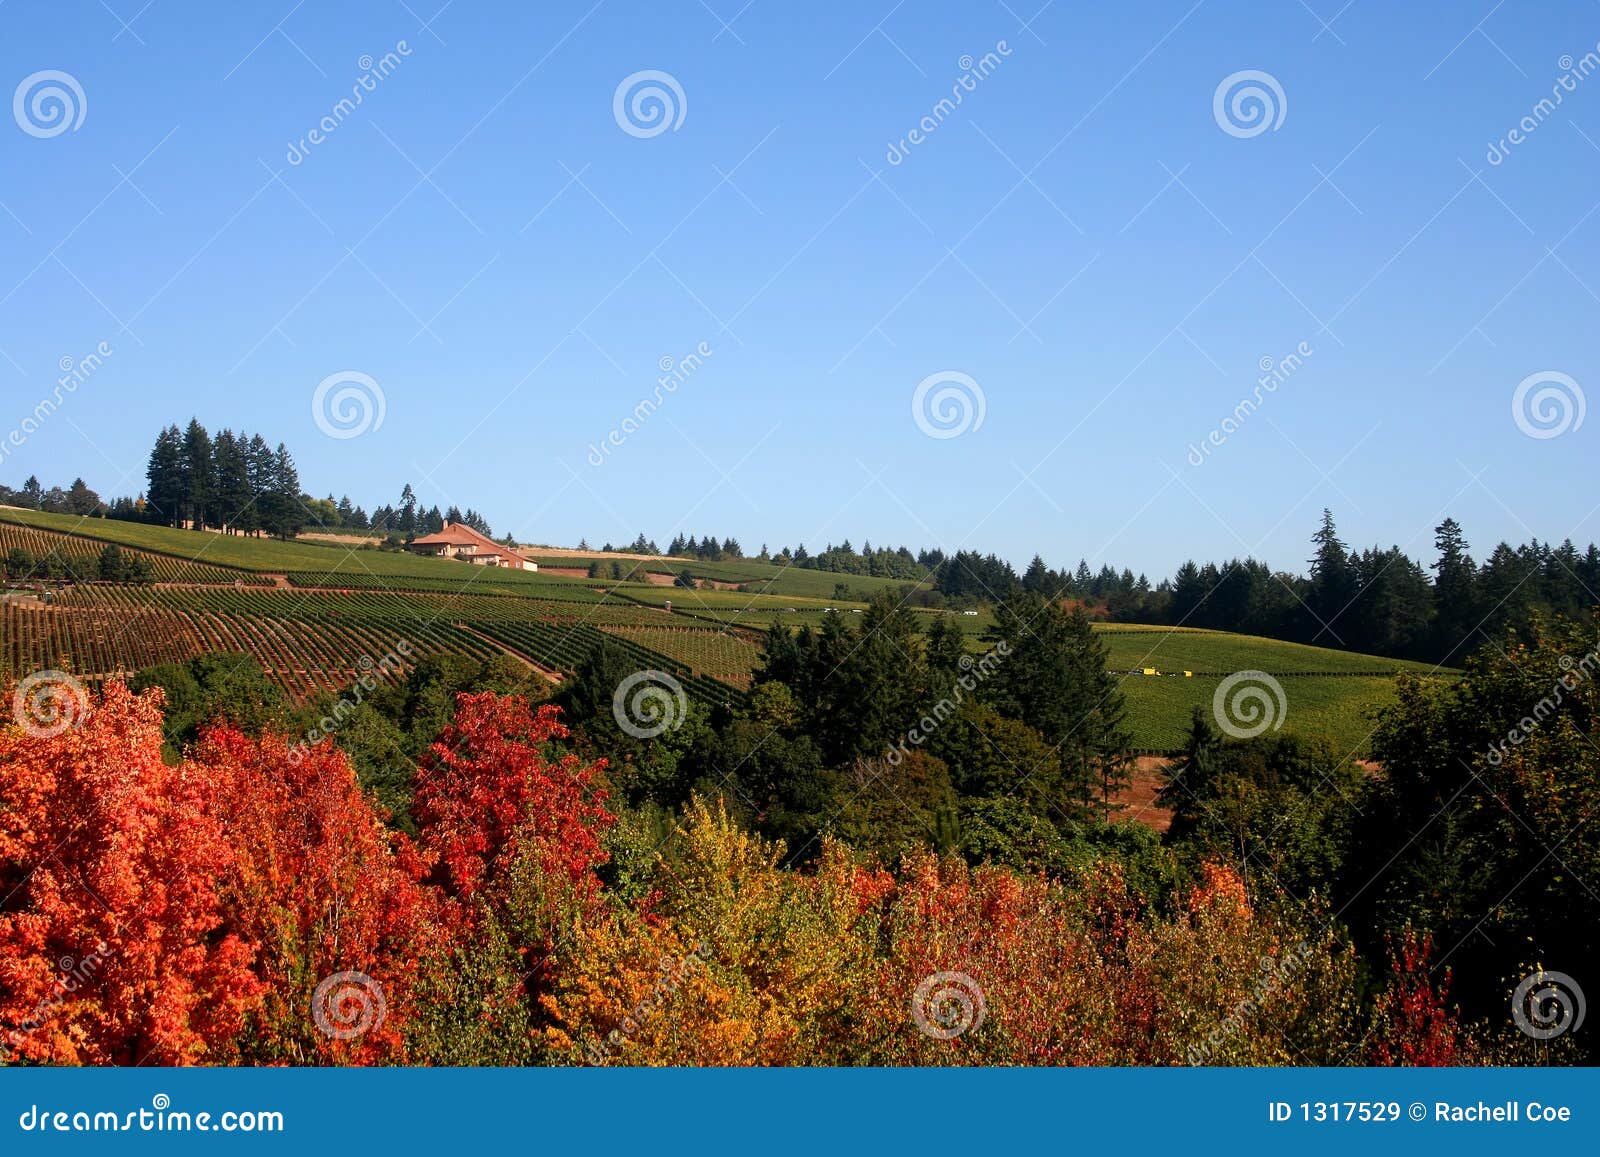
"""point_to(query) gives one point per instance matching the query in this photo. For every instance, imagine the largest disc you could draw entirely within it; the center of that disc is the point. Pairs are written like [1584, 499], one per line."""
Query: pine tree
[1036, 579]
[1333, 584]
[407, 523]
[231, 470]
[199, 482]
[164, 475]
[283, 515]
[1455, 594]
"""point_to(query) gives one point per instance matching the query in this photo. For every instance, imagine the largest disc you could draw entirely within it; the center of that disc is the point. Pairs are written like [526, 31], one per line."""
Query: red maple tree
[113, 943]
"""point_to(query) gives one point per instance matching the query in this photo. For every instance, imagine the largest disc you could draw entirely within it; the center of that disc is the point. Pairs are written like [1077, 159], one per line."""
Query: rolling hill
[315, 614]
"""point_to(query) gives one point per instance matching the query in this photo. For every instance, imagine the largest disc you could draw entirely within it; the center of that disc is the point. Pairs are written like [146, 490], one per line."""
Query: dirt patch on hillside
[566, 571]
[656, 578]
[1145, 781]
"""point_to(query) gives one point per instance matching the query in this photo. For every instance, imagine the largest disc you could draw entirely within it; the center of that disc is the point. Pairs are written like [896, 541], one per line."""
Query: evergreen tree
[199, 482]
[1455, 594]
[165, 477]
[1036, 579]
[81, 500]
[282, 512]
[407, 523]
[1053, 676]
[1333, 584]
[231, 471]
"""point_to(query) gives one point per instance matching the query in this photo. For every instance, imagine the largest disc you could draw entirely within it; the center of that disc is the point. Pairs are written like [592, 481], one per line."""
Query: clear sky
[1082, 236]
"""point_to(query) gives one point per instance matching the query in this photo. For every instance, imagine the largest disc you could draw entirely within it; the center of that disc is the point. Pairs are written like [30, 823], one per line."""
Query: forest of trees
[1377, 601]
[76, 499]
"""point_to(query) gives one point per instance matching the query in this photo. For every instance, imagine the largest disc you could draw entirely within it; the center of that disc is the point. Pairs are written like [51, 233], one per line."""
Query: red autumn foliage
[113, 942]
[1412, 1025]
[487, 791]
[320, 886]
[203, 907]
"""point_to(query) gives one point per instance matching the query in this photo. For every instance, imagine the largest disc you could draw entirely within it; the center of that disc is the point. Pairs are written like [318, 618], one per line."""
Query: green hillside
[269, 555]
[709, 634]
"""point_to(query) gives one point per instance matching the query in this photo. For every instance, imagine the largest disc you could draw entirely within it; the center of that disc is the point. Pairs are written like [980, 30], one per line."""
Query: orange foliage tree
[322, 888]
[114, 947]
[937, 964]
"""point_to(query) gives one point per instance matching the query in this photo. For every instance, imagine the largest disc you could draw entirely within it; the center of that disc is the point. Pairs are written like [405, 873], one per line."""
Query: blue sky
[1080, 237]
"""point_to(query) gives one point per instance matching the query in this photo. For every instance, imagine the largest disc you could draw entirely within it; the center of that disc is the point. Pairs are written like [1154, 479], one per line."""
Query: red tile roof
[455, 534]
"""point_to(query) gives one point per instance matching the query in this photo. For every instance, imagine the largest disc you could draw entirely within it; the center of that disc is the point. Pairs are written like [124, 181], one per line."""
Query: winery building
[466, 544]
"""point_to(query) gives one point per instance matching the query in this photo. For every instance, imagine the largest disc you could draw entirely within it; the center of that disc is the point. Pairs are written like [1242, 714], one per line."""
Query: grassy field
[1219, 652]
[1340, 709]
[302, 635]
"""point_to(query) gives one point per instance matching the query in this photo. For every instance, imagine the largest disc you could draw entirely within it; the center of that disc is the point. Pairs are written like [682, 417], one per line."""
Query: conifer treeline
[1377, 601]
[239, 484]
[234, 482]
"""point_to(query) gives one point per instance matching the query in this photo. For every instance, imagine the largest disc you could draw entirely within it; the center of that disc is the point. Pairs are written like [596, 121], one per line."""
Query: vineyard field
[1219, 652]
[718, 654]
[269, 555]
[565, 646]
[86, 552]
